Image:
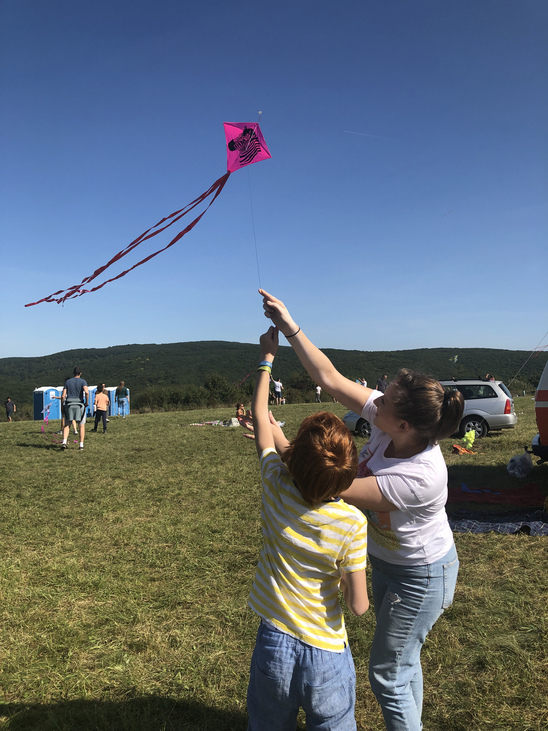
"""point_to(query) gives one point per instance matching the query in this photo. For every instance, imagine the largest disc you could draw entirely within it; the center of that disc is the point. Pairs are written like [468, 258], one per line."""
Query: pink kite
[245, 145]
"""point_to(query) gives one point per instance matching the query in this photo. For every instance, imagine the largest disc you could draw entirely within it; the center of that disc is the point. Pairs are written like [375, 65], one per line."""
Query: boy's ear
[404, 426]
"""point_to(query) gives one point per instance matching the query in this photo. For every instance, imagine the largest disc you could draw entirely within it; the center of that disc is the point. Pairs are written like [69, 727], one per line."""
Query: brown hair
[322, 459]
[422, 402]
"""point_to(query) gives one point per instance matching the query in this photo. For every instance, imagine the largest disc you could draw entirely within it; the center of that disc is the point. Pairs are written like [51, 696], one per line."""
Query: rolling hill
[185, 364]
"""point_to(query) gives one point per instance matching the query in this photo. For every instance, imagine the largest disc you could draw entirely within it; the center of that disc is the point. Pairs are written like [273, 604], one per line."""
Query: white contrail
[364, 134]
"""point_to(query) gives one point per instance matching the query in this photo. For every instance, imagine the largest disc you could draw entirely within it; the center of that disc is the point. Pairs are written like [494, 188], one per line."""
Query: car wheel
[363, 428]
[473, 423]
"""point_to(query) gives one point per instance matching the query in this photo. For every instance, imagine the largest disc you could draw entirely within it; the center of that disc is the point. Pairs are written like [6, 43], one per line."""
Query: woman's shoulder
[432, 456]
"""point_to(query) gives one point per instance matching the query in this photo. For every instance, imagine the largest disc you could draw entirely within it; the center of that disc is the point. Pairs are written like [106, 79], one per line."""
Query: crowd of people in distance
[75, 401]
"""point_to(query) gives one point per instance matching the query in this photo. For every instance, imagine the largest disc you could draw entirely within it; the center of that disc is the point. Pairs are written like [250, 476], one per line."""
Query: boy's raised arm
[259, 404]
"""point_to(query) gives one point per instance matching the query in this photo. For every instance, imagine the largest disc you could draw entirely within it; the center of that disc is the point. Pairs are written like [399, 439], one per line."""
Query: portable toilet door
[91, 400]
[45, 401]
[112, 407]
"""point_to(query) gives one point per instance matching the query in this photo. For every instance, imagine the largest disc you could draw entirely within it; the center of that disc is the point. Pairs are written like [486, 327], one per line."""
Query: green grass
[126, 567]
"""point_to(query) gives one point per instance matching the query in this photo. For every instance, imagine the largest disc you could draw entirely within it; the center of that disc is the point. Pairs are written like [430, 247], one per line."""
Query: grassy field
[126, 567]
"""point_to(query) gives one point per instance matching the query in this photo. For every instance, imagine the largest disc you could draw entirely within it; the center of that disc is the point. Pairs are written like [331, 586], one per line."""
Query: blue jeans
[122, 406]
[408, 601]
[287, 674]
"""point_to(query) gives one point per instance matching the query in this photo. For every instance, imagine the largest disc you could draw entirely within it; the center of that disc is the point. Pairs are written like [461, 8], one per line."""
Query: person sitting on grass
[313, 545]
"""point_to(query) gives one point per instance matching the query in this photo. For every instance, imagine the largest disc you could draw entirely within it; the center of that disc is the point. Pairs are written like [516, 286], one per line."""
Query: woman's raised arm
[319, 367]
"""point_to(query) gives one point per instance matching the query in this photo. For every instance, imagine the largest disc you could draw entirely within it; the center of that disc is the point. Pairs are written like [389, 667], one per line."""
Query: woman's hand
[276, 311]
[269, 343]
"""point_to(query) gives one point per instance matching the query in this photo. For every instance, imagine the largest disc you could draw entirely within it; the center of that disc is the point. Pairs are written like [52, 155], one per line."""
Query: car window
[506, 391]
[482, 391]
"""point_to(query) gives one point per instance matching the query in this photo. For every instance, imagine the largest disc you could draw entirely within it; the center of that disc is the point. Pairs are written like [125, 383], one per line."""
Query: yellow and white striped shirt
[297, 579]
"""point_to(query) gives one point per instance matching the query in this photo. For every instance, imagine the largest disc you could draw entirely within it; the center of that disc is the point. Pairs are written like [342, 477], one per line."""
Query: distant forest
[189, 375]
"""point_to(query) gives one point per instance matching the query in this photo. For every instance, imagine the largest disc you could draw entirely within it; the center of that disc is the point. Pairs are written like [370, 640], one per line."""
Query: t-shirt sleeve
[369, 410]
[270, 462]
[418, 489]
[355, 558]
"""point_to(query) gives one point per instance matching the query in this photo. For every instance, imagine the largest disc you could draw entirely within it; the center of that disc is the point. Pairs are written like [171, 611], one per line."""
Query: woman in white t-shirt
[402, 488]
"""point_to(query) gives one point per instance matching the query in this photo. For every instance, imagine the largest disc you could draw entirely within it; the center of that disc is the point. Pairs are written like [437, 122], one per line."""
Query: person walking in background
[74, 400]
[382, 383]
[313, 544]
[122, 399]
[10, 407]
[277, 391]
[318, 394]
[101, 404]
[402, 488]
[104, 387]
[74, 425]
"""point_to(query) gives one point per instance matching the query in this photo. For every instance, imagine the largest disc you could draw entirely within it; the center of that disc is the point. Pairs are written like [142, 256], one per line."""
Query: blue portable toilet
[92, 390]
[44, 397]
[112, 407]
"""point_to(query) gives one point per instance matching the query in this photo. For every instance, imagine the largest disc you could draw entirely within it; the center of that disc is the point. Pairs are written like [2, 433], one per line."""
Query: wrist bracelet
[293, 335]
[266, 368]
[265, 362]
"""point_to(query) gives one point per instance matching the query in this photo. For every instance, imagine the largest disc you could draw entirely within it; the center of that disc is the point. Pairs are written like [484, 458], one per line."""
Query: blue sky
[404, 205]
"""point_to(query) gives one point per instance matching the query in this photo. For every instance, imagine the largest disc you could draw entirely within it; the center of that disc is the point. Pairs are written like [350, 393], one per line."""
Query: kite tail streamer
[78, 290]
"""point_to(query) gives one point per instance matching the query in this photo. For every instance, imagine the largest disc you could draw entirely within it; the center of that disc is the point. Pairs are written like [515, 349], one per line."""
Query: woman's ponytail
[422, 402]
[451, 414]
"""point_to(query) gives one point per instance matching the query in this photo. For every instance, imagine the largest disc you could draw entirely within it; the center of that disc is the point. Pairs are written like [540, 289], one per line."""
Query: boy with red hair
[313, 544]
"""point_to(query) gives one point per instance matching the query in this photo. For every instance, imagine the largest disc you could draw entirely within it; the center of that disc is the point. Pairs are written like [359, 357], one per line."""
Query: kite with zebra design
[245, 145]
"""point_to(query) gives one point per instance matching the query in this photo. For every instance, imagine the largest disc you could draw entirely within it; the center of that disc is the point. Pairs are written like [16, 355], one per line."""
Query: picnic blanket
[229, 422]
[529, 494]
[533, 524]
[233, 421]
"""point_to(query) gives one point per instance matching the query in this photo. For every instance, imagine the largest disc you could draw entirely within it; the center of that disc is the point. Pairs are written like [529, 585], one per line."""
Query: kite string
[253, 226]
[535, 350]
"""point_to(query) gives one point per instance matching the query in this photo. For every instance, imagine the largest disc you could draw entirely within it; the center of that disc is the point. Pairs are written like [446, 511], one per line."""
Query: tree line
[211, 373]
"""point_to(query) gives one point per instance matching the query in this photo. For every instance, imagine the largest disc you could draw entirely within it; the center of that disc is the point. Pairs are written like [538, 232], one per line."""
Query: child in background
[102, 402]
[313, 544]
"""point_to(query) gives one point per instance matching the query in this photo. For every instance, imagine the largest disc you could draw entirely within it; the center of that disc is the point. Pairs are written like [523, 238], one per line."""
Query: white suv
[488, 405]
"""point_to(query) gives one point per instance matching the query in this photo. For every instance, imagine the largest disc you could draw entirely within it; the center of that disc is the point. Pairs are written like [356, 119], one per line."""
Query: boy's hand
[269, 343]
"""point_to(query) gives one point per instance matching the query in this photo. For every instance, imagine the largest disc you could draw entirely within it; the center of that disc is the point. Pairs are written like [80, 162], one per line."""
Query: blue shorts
[287, 674]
